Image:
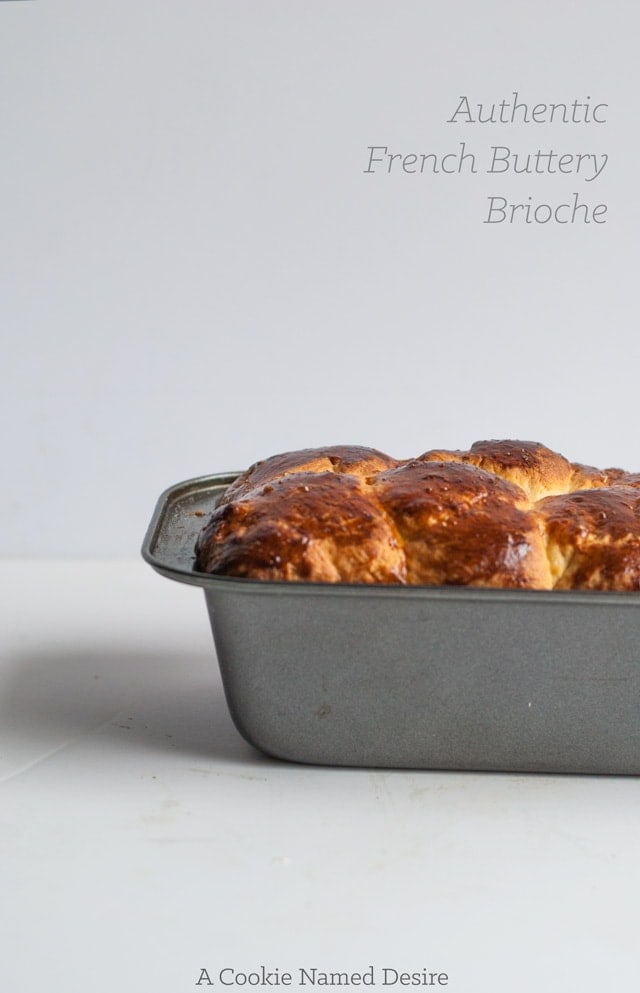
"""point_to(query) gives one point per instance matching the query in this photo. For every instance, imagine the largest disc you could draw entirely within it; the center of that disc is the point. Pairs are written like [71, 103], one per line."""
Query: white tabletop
[143, 841]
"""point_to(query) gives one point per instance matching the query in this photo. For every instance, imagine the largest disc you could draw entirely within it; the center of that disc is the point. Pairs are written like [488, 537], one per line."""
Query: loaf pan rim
[192, 577]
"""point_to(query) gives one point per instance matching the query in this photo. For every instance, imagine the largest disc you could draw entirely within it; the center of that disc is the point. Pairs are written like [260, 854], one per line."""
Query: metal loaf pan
[415, 677]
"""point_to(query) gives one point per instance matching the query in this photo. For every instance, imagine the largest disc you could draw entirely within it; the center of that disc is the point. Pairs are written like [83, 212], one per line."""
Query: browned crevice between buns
[505, 514]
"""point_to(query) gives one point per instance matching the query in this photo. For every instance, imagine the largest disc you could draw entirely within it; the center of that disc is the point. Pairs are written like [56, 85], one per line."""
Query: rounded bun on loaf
[352, 459]
[510, 514]
[321, 526]
[536, 469]
[593, 538]
[461, 525]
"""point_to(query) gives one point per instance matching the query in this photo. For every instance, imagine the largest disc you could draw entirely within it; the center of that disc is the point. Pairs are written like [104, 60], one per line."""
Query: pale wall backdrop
[196, 272]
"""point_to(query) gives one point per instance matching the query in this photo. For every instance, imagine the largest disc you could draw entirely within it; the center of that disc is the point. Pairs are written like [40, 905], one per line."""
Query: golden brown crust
[587, 477]
[594, 538]
[536, 469]
[618, 477]
[464, 526]
[303, 526]
[501, 514]
[353, 459]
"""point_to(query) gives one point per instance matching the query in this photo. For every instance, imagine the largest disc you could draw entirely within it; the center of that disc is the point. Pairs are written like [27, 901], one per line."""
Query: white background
[141, 839]
[196, 272]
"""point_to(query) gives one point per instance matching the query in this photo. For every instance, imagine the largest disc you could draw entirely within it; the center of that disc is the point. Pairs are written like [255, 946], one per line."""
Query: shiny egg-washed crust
[306, 525]
[508, 514]
[594, 538]
[351, 459]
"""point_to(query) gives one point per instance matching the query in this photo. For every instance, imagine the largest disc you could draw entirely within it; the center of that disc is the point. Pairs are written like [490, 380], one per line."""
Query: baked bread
[507, 514]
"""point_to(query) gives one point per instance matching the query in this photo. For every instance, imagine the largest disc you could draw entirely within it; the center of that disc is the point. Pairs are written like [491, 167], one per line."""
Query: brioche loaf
[509, 514]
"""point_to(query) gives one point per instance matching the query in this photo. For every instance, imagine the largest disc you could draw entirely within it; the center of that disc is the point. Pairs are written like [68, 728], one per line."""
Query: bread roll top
[510, 514]
[464, 526]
